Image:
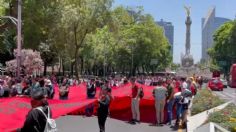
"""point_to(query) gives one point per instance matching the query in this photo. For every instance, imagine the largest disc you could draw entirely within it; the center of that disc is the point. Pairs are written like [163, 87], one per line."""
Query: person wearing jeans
[135, 103]
[170, 100]
[177, 101]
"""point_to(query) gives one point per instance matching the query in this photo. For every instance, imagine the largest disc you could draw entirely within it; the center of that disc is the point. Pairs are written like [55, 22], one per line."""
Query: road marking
[228, 94]
[220, 94]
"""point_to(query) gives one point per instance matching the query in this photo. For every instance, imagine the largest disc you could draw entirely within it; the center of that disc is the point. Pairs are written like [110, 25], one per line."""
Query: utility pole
[104, 61]
[19, 39]
[132, 66]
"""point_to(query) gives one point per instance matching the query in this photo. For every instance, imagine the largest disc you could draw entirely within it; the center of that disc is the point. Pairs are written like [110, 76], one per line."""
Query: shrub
[205, 100]
[225, 118]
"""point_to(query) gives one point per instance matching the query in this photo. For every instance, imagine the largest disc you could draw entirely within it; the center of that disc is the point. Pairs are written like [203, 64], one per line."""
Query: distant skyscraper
[169, 32]
[209, 25]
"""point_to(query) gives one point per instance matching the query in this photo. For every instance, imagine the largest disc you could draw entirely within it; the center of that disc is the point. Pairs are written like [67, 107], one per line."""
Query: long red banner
[14, 110]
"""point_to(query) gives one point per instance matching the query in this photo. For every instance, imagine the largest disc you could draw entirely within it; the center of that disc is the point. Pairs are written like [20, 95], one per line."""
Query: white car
[225, 83]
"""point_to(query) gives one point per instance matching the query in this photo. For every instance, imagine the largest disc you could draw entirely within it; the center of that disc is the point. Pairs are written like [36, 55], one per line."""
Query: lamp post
[18, 59]
[17, 22]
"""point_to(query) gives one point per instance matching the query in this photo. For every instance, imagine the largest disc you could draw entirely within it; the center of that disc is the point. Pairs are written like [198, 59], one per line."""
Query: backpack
[141, 94]
[50, 123]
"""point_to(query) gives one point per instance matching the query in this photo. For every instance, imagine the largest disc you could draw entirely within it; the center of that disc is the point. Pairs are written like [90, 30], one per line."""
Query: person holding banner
[135, 102]
[159, 94]
[103, 107]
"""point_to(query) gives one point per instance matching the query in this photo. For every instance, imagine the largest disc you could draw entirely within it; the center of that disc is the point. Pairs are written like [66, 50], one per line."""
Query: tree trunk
[72, 68]
[76, 51]
[82, 66]
[53, 70]
[60, 66]
[143, 69]
[45, 68]
[138, 70]
[63, 69]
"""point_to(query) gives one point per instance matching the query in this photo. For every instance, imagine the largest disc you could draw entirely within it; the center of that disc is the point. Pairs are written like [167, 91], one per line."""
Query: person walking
[159, 93]
[135, 102]
[103, 108]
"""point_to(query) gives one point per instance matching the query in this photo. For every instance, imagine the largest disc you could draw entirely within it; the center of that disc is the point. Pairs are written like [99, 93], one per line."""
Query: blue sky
[173, 11]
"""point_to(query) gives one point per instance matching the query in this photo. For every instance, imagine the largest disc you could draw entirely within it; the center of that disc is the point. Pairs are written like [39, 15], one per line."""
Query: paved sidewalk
[89, 124]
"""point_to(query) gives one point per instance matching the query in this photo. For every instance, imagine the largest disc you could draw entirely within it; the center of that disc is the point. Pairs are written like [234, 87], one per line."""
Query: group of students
[168, 93]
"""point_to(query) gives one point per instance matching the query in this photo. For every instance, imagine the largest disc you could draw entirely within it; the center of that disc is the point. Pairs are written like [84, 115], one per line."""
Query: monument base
[187, 61]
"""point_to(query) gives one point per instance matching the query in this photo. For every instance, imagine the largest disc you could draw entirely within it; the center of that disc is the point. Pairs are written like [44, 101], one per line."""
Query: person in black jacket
[35, 120]
[103, 108]
[91, 89]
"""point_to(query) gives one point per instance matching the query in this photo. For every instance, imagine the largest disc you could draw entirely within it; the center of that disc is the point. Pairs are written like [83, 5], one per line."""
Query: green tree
[82, 17]
[223, 51]
[48, 55]
[39, 19]
[137, 40]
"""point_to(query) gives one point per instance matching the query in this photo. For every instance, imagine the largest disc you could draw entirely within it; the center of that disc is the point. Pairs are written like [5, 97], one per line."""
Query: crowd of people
[169, 92]
[172, 93]
[11, 86]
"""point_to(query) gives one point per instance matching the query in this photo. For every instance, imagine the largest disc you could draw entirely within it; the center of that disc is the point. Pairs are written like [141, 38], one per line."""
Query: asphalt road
[228, 94]
[89, 124]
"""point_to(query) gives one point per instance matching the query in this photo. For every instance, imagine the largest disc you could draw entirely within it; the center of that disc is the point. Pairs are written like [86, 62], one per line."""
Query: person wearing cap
[35, 119]
[49, 88]
[103, 107]
[159, 93]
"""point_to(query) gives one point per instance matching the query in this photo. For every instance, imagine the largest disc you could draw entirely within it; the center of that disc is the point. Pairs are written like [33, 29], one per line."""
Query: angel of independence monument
[187, 61]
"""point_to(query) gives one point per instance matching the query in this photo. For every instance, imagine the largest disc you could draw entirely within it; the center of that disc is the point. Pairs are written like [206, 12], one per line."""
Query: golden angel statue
[187, 8]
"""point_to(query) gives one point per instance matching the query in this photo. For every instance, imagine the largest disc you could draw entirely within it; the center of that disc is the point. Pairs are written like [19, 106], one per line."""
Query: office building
[169, 32]
[209, 25]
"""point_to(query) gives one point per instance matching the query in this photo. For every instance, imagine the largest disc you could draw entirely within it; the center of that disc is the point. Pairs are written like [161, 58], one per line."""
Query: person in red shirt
[135, 102]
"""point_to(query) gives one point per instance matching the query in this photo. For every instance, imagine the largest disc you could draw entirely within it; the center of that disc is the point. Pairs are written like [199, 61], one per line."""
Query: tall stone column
[188, 23]
[187, 59]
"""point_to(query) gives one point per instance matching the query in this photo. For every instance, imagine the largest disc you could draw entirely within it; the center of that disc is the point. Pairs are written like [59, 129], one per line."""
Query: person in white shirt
[184, 84]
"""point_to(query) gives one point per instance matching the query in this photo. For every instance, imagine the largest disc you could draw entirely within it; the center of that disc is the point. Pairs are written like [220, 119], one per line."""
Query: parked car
[225, 83]
[216, 84]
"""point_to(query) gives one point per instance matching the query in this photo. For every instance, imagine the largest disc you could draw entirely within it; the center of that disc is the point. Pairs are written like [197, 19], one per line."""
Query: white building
[209, 25]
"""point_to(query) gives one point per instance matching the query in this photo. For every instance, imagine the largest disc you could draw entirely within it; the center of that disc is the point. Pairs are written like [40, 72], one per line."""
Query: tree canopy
[90, 37]
[223, 51]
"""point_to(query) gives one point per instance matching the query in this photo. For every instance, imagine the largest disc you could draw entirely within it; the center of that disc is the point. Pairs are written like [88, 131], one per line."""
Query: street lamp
[18, 59]
[17, 22]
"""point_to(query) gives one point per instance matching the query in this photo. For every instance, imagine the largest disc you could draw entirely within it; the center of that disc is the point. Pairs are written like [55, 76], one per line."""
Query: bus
[232, 76]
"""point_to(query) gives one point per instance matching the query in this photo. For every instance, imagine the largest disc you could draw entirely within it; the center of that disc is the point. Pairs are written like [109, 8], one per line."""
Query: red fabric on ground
[14, 110]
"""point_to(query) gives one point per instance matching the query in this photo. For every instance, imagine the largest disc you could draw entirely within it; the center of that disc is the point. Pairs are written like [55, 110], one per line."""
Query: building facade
[168, 29]
[209, 25]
